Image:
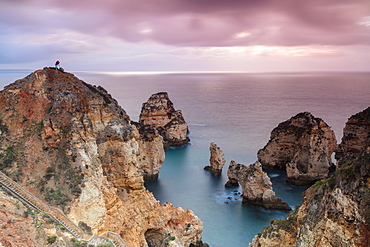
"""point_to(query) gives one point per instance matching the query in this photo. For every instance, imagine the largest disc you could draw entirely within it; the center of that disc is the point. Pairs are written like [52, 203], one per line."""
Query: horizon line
[193, 72]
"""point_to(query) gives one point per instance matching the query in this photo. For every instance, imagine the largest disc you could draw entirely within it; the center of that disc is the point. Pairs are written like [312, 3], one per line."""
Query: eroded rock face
[356, 135]
[73, 146]
[335, 212]
[159, 112]
[302, 145]
[151, 151]
[217, 160]
[256, 185]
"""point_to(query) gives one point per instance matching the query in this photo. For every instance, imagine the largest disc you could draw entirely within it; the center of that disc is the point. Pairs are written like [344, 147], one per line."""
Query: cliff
[335, 210]
[256, 185]
[160, 113]
[217, 160]
[303, 146]
[356, 135]
[71, 145]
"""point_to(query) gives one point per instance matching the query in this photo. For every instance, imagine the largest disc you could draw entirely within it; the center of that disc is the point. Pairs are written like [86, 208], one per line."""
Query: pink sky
[186, 35]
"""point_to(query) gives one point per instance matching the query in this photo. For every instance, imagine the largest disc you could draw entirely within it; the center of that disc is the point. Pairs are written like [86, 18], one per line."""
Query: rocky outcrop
[159, 112]
[256, 185]
[302, 145]
[356, 135]
[335, 211]
[71, 145]
[217, 160]
[151, 152]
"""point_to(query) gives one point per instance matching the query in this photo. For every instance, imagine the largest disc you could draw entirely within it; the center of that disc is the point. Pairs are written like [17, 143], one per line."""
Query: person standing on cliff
[57, 65]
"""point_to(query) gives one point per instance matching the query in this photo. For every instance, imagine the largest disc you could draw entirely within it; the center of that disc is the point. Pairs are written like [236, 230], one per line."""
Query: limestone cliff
[335, 212]
[217, 160]
[256, 185]
[302, 145]
[159, 112]
[151, 151]
[71, 145]
[356, 135]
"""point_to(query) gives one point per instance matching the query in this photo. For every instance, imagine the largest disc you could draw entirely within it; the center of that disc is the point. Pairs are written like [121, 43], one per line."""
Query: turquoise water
[238, 112]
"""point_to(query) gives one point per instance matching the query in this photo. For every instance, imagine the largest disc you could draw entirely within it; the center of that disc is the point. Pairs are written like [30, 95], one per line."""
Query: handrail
[34, 202]
[117, 240]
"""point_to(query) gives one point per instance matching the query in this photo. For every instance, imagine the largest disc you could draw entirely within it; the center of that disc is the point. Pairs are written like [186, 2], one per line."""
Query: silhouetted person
[57, 65]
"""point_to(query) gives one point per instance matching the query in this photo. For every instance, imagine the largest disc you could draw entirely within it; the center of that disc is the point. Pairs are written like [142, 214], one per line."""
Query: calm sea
[238, 112]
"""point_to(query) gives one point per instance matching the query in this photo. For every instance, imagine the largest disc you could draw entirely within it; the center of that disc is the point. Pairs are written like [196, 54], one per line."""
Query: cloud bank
[39, 28]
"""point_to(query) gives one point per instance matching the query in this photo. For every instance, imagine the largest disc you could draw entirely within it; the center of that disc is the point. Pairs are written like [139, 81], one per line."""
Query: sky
[186, 35]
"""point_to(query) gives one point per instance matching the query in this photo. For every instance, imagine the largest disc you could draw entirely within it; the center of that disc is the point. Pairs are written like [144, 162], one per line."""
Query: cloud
[202, 22]
[182, 34]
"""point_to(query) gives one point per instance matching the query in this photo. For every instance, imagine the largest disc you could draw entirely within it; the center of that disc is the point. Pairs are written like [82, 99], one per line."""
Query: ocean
[237, 111]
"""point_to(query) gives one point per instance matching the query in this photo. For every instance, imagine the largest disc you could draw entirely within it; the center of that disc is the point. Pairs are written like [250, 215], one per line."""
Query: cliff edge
[71, 145]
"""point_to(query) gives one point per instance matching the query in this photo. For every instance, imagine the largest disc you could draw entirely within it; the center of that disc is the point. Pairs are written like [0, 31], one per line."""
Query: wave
[199, 125]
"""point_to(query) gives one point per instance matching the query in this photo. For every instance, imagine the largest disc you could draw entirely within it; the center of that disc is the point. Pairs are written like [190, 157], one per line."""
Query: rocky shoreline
[335, 210]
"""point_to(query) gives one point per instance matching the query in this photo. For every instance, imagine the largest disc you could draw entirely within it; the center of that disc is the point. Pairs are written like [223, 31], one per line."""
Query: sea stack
[302, 145]
[73, 147]
[256, 186]
[356, 135]
[217, 160]
[159, 112]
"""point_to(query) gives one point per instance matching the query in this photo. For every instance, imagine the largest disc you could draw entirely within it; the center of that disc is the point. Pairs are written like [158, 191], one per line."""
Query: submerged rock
[159, 112]
[256, 185]
[302, 145]
[217, 160]
[356, 135]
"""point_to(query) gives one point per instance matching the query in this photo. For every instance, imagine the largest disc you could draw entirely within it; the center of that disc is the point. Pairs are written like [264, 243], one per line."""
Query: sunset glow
[181, 35]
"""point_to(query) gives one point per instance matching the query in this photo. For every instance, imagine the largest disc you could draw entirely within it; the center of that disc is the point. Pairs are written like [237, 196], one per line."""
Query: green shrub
[52, 239]
[78, 243]
[7, 157]
[50, 171]
[56, 197]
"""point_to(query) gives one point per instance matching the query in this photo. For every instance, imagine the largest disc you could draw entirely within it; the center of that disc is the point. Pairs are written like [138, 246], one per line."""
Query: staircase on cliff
[35, 203]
